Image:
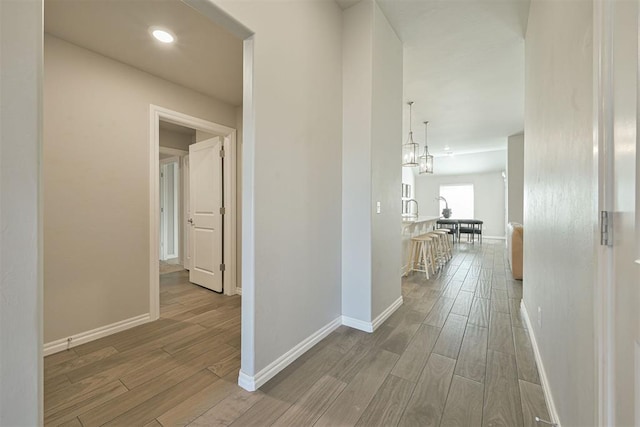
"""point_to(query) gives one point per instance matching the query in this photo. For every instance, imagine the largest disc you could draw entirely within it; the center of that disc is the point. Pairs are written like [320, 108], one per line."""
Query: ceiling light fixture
[162, 35]
[410, 148]
[426, 160]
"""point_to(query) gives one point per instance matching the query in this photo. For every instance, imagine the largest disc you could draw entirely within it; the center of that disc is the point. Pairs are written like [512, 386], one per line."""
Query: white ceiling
[464, 69]
[205, 57]
[459, 164]
[463, 59]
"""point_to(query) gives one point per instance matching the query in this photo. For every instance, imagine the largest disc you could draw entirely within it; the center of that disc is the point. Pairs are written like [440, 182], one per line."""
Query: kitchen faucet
[409, 210]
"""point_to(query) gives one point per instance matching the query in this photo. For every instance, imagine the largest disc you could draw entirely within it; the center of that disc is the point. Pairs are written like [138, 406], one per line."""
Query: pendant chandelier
[410, 148]
[426, 160]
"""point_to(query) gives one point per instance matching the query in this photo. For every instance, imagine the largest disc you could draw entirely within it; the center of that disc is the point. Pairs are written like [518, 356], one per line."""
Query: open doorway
[193, 202]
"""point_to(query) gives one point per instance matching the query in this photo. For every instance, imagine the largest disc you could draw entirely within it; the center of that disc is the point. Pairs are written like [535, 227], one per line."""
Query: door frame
[181, 155]
[228, 134]
[177, 200]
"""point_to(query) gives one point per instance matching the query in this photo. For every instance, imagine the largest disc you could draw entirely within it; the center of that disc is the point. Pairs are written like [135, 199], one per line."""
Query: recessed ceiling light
[162, 35]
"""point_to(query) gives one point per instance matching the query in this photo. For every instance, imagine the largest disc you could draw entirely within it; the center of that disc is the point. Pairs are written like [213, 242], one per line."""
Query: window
[460, 200]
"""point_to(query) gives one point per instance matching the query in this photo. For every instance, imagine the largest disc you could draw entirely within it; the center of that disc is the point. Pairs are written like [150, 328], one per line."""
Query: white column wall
[559, 194]
[20, 215]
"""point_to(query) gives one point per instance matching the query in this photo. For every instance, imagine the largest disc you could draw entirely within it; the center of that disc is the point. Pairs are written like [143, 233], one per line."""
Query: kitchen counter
[418, 220]
[412, 227]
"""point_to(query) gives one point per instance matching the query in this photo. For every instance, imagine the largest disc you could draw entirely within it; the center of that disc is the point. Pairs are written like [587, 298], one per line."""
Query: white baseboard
[386, 313]
[238, 291]
[494, 237]
[250, 383]
[372, 326]
[551, 406]
[85, 337]
[361, 325]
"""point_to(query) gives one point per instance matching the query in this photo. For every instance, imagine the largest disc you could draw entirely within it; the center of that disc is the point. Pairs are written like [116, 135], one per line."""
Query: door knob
[190, 221]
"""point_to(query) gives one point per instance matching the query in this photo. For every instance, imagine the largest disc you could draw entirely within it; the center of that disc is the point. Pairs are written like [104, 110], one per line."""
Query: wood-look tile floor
[457, 353]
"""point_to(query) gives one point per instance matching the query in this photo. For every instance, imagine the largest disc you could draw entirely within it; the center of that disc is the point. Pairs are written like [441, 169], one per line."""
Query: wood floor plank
[415, 357]
[483, 290]
[429, 397]
[70, 409]
[80, 361]
[357, 395]
[191, 408]
[464, 404]
[264, 413]
[517, 319]
[479, 314]
[502, 405]
[533, 403]
[500, 304]
[312, 404]
[115, 366]
[60, 357]
[462, 306]
[121, 404]
[438, 314]
[450, 338]
[453, 288]
[525, 359]
[228, 410]
[500, 334]
[514, 289]
[226, 365]
[72, 423]
[345, 340]
[400, 337]
[388, 404]
[472, 361]
[162, 402]
[53, 384]
[290, 386]
[470, 282]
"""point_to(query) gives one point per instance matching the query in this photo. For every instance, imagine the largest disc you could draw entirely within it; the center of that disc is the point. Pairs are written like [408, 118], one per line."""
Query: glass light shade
[410, 153]
[426, 162]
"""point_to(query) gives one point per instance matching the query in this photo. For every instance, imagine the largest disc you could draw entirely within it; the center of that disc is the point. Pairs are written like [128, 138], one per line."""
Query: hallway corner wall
[559, 254]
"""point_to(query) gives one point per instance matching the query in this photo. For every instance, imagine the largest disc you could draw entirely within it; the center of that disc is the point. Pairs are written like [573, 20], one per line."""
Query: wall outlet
[377, 207]
[540, 317]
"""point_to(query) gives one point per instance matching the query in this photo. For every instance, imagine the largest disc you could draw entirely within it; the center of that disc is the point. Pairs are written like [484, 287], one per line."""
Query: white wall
[356, 161]
[296, 186]
[386, 178]
[20, 235]
[489, 196]
[372, 120]
[559, 202]
[173, 139]
[96, 193]
[515, 178]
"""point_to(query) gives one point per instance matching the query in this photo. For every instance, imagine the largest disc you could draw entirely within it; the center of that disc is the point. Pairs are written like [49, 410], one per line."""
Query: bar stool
[423, 253]
[447, 247]
[440, 248]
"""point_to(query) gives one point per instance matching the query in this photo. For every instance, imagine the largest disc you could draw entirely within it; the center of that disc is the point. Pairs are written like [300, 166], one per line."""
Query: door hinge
[606, 228]
[222, 152]
[222, 267]
[222, 211]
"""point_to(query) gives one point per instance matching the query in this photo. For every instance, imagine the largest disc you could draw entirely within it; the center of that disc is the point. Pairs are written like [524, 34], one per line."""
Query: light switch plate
[377, 207]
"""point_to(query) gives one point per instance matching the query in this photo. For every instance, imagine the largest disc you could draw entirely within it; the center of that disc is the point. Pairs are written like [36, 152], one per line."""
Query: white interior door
[619, 197]
[205, 202]
[186, 256]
